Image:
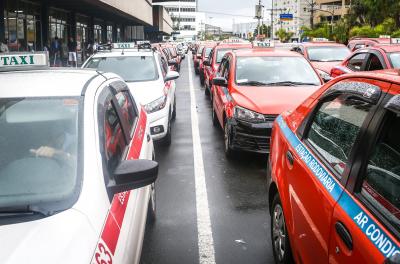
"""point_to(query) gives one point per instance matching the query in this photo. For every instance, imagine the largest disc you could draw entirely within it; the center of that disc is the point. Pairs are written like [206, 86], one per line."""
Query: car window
[356, 62]
[164, 66]
[334, 129]
[207, 52]
[130, 68]
[225, 73]
[395, 59]
[39, 155]
[374, 63]
[381, 186]
[220, 54]
[112, 134]
[327, 53]
[127, 108]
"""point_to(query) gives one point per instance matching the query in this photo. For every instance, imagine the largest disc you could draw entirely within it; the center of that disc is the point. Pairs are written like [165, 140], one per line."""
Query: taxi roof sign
[124, 45]
[395, 40]
[263, 44]
[320, 39]
[23, 61]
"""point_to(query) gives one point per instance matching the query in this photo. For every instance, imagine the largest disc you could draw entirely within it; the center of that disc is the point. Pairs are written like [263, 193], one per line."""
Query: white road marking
[205, 238]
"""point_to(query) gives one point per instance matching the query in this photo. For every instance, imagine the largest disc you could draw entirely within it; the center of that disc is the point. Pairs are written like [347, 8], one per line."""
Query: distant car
[76, 169]
[251, 88]
[204, 55]
[323, 55]
[214, 59]
[149, 79]
[197, 58]
[359, 43]
[374, 58]
[334, 174]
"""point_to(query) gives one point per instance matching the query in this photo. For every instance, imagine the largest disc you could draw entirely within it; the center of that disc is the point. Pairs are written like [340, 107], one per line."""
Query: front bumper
[250, 137]
[159, 123]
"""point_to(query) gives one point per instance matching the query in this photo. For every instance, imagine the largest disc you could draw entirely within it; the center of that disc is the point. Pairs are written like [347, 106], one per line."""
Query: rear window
[130, 68]
[327, 53]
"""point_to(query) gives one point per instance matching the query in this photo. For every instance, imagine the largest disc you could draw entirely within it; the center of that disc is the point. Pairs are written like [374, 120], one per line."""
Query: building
[34, 24]
[327, 8]
[183, 14]
[162, 25]
[245, 30]
[301, 16]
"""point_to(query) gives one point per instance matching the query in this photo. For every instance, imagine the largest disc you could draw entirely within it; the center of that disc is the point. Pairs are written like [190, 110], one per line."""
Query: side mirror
[325, 77]
[193, 52]
[133, 174]
[172, 62]
[171, 75]
[199, 56]
[206, 63]
[220, 81]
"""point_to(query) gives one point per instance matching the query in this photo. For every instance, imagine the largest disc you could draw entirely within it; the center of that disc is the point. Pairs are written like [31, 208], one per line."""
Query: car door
[219, 91]
[320, 162]
[119, 122]
[208, 68]
[366, 220]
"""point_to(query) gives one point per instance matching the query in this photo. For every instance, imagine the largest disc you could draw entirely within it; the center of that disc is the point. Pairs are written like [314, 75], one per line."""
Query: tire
[229, 152]
[213, 115]
[202, 78]
[280, 239]
[152, 207]
[206, 90]
[168, 138]
[173, 117]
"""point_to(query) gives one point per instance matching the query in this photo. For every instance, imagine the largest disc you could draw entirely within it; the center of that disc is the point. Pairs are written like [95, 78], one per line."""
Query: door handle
[344, 234]
[290, 157]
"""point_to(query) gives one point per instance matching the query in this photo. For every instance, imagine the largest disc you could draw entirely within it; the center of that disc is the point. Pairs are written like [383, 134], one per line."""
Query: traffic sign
[286, 17]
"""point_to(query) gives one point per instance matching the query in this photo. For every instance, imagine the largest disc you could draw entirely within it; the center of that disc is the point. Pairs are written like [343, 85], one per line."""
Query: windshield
[270, 70]
[220, 54]
[39, 151]
[395, 59]
[327, 53]
[130, 68]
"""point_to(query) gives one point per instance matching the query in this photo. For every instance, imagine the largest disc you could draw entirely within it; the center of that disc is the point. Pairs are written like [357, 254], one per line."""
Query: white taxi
[149, 78]
[76, 168]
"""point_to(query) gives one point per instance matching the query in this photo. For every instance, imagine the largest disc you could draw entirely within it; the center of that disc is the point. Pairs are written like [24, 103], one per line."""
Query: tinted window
[382, 182]
[334, 129]
[114, 142]
[130, 68]
[356, 62]
[374, 63]
[395, 59]
[328, 53]
[267, 70]
[39, 151]
[127, 108]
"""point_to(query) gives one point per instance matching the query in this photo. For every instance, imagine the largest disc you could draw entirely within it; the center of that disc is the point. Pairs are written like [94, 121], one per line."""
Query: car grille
[270, 117]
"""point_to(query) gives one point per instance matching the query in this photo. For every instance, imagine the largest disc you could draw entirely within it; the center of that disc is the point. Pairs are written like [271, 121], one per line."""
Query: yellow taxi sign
[23, 60]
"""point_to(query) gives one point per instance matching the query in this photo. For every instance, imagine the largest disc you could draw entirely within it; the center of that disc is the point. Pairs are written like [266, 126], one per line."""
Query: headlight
[156, 105]
[247, 115]
[325, 76]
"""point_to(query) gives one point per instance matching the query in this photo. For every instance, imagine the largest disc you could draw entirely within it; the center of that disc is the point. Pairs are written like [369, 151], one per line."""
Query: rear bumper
[250, 137]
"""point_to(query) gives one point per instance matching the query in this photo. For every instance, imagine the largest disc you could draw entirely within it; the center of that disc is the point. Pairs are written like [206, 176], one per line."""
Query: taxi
[374, 58]
[251, 88]
[204, 55]
[358, 43]
[323, 55]
[197, 57]
[76, 169]
[334, 174]
[211, 64]
[149, 79]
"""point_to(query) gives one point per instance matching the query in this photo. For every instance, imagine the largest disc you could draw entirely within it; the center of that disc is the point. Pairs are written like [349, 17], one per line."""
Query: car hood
[66, 237]
[146, 92]
[325, 66]
[272, 100]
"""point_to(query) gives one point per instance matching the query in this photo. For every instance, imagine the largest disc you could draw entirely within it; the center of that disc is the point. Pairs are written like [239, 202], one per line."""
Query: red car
[370, 59]
[197, 57]
[358, 43]
[252, 88]
[204, 55]
[334, 174]
[323, 55]
[214, 59]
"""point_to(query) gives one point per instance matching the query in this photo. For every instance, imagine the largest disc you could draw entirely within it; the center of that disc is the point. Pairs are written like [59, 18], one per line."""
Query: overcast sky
[239, 10]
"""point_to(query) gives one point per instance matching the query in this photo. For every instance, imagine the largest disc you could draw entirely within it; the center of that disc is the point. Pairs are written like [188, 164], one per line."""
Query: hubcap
[278, 232]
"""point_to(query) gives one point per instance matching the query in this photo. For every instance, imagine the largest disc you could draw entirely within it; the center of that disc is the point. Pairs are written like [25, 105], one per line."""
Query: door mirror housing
[172, 62]
[220, 81]
[133, 174]
[206, 63]
[199, 56]
[171, 75]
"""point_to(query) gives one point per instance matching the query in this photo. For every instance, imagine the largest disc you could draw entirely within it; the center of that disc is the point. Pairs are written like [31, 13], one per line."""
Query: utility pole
[312, 9]
[272, 21]
[259, 8]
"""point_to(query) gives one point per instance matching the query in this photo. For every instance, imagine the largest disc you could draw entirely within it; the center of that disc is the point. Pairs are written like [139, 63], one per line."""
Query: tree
[283, 35]
[264, 30]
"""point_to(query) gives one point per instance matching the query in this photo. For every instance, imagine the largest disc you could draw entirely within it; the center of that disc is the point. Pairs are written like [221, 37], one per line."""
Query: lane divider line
[204, 230]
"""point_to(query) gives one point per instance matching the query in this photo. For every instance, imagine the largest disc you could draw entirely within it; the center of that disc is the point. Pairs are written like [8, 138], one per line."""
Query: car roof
[266, 52]
[233, 45]
[47, 83]
[376, 40]
[389, 48]
[121, 53]
[322, 44]
[387, 75]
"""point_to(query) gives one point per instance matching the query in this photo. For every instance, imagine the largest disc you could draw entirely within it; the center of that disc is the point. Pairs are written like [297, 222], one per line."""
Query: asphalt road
[237, 200]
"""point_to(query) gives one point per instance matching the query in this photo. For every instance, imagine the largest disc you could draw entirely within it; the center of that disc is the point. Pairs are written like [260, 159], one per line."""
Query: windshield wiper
[253, 83]
[289, 83]
[24, 210]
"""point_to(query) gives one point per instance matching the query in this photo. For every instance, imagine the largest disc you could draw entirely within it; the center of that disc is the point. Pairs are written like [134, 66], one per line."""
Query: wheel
[168, 138]
[280, 239]
[151, 208]
[213, 115]
[202, 78]
[206, 90]
[196, 70]
[229, 152]
[173, 117]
